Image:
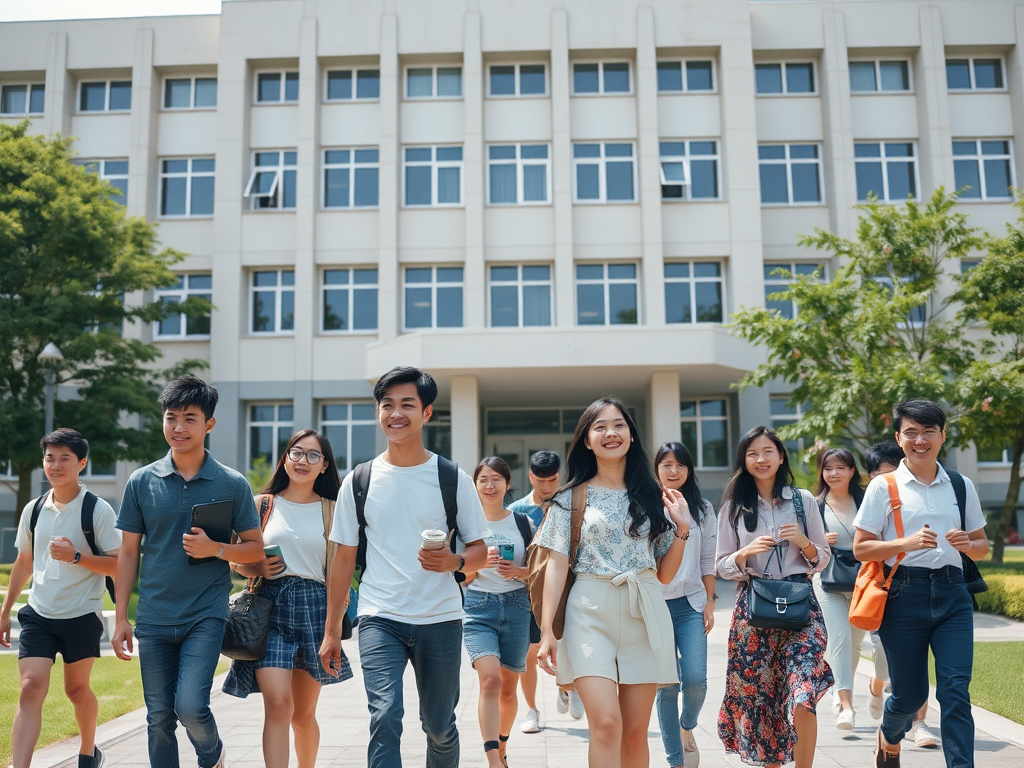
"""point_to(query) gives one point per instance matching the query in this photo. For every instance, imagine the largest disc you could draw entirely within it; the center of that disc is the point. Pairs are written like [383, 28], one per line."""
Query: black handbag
[783, 603]
[840, 572]
[245, 634]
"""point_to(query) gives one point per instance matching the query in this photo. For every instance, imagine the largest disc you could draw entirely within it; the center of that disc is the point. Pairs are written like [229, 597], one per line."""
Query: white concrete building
[537, 201]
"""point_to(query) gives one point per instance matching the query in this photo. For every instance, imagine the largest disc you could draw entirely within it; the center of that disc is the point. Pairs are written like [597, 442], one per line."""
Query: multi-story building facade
[537, 201]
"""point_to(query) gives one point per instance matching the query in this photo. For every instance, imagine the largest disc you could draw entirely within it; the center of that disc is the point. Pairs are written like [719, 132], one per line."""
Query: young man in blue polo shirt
[182, 608]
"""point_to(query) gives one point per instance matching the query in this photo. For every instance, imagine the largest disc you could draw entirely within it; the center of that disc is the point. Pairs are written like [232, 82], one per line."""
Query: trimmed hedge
[1005, 595]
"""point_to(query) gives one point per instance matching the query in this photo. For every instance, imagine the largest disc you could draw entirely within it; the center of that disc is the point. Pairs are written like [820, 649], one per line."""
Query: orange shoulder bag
[871, 592]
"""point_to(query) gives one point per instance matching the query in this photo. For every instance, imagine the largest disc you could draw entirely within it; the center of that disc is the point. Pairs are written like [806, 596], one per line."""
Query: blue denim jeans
[178, 663]
[692, 646]
[930, 608]
[435, 652]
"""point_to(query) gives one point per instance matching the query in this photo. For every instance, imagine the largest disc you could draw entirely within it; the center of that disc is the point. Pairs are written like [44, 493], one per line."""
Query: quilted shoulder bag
[781, 603]
[245, 634]
[840, 572]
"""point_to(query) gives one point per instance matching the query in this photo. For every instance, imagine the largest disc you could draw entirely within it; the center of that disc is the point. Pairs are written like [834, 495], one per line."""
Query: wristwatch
[76, 558]
[462, 563]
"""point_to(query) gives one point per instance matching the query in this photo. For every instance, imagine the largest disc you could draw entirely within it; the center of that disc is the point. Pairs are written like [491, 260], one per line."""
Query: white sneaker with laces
[531, 723]
[562, 705]
[845, 720]
[875, 705]
[576, 710]
[691, 755]
[922, 736]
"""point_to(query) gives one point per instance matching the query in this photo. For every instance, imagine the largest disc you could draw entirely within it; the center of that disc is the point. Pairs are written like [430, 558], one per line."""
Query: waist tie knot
[640, 605]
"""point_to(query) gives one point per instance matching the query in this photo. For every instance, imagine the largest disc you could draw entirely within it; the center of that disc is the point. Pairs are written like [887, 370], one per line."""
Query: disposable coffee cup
[433, 539]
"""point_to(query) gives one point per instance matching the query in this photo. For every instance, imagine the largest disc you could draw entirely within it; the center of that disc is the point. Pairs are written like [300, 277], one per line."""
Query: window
[270, 427]
[604, 173]
[983, 169]
[186, 187]
[350, 300]
[273, 301]
[606, 294]
[106, 96]
[689, 170]
[518, 80]
[190, 93]
[787, 78]
[113, 171]
[349, 84]
[885, 76]
[351, 429]
[433, 297]
[997, 455]
[179, 326]
[790, 174]
[783, 414]
[918, 315]
[685, 76]
[887, 170]
[778, 278]
[351, 178]
[705, 431]
[433, 83]
[600, 77]
[694, 292]
[433, 176]
[518, 174]
[966, 265]
[520, 296]
[272, 183]
[95, 471]
[277, 87]
[22, 99]
[974, 74]
[437, 434]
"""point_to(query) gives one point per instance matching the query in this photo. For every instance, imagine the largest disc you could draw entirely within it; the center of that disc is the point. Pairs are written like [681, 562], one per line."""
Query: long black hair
[690, 489]
[741, 490]
[645, 502]
[327, 483]
[845, 456]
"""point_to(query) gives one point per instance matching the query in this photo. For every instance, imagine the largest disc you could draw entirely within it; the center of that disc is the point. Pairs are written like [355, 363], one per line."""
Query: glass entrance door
[515, 434]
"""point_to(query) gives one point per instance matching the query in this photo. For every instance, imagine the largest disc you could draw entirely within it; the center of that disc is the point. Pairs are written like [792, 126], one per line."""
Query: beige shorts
[617, 627]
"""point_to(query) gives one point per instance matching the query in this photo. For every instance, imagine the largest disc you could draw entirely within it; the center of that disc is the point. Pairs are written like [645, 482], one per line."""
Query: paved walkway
[562, 743]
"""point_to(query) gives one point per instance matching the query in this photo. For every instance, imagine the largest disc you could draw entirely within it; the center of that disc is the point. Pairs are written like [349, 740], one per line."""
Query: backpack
[972, 575]
[88, 508]
[525, 527]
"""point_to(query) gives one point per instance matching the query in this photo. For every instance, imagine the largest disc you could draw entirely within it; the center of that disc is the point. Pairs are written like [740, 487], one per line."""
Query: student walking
[67, 543]
[928, 605]
[691, 602]
[774, 677]
[296, 510]
[182, 607]
[410, 604]
[617, 646]
[497, 624]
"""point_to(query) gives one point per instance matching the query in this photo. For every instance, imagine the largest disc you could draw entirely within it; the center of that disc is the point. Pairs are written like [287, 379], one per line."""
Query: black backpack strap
[798, 505]
[360, 487]
[821, 509]
[960, 490]
[89, 530]
[37, 507]
[448, 481]
[523, 524]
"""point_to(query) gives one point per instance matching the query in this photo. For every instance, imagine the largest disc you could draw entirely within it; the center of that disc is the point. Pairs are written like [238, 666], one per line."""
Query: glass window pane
[368, 84]
[586, 150]
[532, 80]
[988, 73]
[800, 78]
[958, 74]
[687, 409]
[287, 310]
[170, 325]
[335, 412]
[367, 190]
[590, 304]
[364, 443]
[449, 81]
[967, 178]
[783, 306]
[698, 76]
[170, 166]
[288, 189]
[707, 269]
[672, 148]
[901, 181]
[619, 177]
[587, 182]
[862, 76]
[536, 305]
[364, 412]
[803, 151]
[419, 82]
[712, 407]
[534, 151]
[780, 406]
[37, 99]
[337, 436]
[622, 271]
[616, 77]
[774, 185]
[502, 152]
[768, 78]
[806, 186]
[677, 302]
[670, 76]
[367, 155]
[867, 150]
[206, 92]
[418, 305]
[339, 84]
[121, 95]
[677, 270]
[365, 277]
[622, 304]
[418, 154]
[503, 80]
[15, 100]
[291, 86]
[536, 272]
[585, 78]
[93, 97]
[535, 184]
[449, 307]
[709, 302]
[673, 172]
[364, 309]
[899, 149]
[449, 185]
[503, 183]
[869, 180]
[504, 306]
[336, 310]
[771, 152]
[202, 196]
[702, 147]
[336, 187]
[895, 75]
[689, 438]
[200, 165]
[198, 326]
[418, 275]
[178, 94]
[172, 192]
[449, 274]
[589, 271]
[997, 179]
[504, 274]
[995, 147]
[263, 307]
[336, 277]
[200, 282]
[261, 444]
[704, 179]
[965, 148]
[449, 154]
[417, 185]
[715, 444]
[262, 413]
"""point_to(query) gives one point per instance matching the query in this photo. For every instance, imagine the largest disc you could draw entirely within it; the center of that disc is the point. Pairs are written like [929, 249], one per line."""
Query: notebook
[215, 519]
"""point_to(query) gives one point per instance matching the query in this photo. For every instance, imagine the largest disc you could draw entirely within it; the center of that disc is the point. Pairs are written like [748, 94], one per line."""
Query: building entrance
[515, 434]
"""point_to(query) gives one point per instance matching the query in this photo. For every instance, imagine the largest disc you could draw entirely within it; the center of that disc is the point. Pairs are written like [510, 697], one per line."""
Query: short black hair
[69, 438]
[545, 464]
[887, 452]
[924, 412]
[426, 387]
[189, 390]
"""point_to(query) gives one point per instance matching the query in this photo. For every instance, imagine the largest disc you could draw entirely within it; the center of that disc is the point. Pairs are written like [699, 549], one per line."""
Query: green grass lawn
[995, 685]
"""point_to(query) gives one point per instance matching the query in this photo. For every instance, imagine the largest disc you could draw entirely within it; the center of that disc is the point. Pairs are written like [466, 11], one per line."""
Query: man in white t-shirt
[410, 605]
[928, 605]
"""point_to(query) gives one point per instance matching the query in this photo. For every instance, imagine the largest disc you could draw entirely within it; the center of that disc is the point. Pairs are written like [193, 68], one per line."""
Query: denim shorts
[498, 624]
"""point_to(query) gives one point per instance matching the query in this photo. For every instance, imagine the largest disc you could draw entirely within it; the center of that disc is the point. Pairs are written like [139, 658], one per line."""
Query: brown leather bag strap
[897, 518]
[327, 510]
[579, 506]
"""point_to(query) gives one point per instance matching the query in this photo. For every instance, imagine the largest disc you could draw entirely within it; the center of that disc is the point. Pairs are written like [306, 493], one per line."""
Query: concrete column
[561, 170]
[142, 162]
[648, 150]
[935, 143]
[663, 409]
[465, 421]
[59, 103]
[1015, 71]
[389, 280]
[473, 171]
[840, 179]
[755, 410]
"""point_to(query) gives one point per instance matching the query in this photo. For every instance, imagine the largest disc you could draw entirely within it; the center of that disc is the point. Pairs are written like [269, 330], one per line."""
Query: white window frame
[277, 424]
[970, 67]
[520, 163]
[433, 87]
[878, 91]
[520, 283]
[884, 160]
[686, 159]
[89, 474]
[188, 175]
[697, 451]
[348, 423]
[433, 285]
[602, 176]
[686, 87]
[607, 282]
[816, 91]
[789, 162]
[276, 190]
[282, 78]
[106, 98]
[352, 165]
[785, 419]
[278, 289]
[692, 281]
[783, 283]
[979, 160]
[29, 88]
[102, 171]
[355, 85]
[435, 178]
[192, 93]
[351, 287]
[181, 294]
[600, 77]
[517, 67]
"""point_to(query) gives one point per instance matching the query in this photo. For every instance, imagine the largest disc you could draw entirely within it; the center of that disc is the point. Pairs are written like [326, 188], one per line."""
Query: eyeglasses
[311, 457]
[928, 434]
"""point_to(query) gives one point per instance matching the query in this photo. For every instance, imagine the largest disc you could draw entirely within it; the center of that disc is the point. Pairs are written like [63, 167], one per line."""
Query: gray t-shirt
[158, 503]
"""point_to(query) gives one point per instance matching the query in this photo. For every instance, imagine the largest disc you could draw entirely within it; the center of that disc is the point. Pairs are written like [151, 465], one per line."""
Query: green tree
[68, 257]
[874, 334]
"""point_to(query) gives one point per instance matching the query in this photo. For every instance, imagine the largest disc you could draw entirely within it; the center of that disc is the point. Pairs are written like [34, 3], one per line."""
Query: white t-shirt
[299, 530]
[400, 504]
[933, 505]
[503, 532]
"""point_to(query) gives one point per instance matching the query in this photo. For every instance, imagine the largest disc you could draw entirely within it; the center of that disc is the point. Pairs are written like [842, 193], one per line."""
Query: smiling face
[62, 466]
[763, 458]
[186, 428]
[671, 473]
[304, 471]
[491, 486]
[401, 413]
[837, 474]
[608, 436]
[920, 444]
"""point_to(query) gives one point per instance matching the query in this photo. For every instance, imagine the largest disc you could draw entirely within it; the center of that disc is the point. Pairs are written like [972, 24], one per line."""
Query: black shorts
[534, 630]
[75, 639]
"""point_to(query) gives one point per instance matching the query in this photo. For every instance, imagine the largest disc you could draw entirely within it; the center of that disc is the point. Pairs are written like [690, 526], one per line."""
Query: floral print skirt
[770, 673]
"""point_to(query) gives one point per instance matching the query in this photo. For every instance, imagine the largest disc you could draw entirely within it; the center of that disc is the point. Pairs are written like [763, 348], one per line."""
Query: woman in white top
[691, 602]
[294, 506]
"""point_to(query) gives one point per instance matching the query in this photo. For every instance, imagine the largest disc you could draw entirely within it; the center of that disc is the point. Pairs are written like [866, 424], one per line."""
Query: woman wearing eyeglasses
[296, 509]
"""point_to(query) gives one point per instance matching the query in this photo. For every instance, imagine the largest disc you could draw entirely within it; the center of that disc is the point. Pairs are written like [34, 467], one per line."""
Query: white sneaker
[691, 755]
[875, 706]
[576, 710]
[922, 736]
[837, 705]
[845, 720]
[562, 705]
[531, 723]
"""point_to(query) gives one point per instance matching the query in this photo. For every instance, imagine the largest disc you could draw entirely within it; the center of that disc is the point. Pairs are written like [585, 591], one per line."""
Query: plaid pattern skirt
[296, 631]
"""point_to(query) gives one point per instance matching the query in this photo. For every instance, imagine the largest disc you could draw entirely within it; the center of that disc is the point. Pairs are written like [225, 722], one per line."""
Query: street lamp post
[49, 357]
